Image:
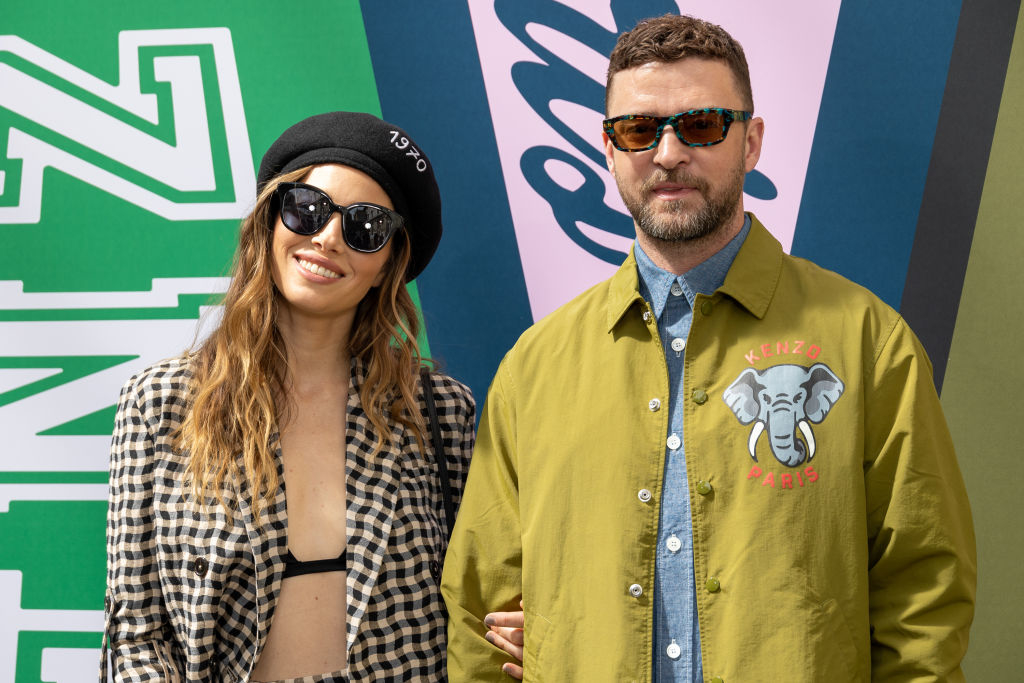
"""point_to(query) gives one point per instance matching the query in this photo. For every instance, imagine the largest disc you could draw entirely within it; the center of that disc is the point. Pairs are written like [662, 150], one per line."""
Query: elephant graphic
[783, 399]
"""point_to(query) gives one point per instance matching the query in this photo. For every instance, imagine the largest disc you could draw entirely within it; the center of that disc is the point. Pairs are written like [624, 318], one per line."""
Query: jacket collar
[755, 273]
[624, 291]
[751, 281]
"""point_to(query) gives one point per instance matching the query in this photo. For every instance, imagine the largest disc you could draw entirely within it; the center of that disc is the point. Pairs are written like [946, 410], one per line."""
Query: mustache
[677, 176]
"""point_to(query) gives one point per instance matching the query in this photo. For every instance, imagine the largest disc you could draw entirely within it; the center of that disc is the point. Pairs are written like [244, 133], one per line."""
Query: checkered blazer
[190, 592]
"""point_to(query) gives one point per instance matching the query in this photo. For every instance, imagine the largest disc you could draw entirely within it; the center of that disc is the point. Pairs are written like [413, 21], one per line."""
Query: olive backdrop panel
[129, 139]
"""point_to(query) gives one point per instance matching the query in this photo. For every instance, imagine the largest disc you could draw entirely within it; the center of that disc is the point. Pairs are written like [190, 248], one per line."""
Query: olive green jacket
[831, 531]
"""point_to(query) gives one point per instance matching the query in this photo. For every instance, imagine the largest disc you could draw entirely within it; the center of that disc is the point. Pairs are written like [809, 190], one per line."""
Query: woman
[276, 509]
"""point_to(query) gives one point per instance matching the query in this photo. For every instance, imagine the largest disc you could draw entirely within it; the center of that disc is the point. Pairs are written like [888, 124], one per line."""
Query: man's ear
[752, 143]
[609, 152]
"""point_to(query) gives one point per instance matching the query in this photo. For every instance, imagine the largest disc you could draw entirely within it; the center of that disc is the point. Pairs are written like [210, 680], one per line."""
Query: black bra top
[294, 567]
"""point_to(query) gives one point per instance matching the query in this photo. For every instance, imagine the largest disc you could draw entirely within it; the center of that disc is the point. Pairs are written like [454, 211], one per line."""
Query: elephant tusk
[755, 434]
[805, 429]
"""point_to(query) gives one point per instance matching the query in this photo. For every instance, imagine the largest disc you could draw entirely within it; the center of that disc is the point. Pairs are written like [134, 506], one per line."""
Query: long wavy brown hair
[238, 393]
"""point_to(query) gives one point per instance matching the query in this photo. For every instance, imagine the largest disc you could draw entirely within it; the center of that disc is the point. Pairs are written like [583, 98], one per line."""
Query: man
[723, 463]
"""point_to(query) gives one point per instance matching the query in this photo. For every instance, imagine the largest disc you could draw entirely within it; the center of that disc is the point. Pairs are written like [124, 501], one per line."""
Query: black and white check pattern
[190, 591]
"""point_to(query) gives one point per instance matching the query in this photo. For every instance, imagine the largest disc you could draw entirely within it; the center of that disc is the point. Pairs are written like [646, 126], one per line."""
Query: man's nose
[671, 151]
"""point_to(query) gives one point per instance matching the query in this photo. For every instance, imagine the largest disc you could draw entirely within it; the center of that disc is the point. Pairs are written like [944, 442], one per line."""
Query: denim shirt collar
[704, 278]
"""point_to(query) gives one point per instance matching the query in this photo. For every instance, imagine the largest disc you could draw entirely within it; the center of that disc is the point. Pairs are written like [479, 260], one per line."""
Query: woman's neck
[316, 348]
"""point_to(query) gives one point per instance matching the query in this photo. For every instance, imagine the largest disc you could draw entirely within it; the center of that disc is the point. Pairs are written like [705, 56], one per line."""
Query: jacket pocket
[835, 651]
[536, 629]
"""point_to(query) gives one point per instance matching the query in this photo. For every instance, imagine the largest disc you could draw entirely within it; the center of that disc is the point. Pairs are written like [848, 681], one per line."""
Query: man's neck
[679, 257]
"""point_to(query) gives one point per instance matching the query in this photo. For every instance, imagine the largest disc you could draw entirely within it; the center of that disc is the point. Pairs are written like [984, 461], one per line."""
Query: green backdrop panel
[982, 389]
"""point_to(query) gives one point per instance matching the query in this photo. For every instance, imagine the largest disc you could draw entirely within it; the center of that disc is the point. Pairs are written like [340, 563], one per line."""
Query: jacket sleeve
[923, 567]
[137, 628]
[460, 456]
[482, 570]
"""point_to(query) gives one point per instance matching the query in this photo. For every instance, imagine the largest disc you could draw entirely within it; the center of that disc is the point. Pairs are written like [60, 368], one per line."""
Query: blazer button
[200, 566]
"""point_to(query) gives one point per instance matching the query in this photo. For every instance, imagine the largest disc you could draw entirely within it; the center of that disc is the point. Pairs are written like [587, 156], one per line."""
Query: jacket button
[654, 404]
[644, 495]
[703, 487]
[647, 316]
[713, 585]
[699, 396]
[200, 566]
[706, 307]
[636, 590]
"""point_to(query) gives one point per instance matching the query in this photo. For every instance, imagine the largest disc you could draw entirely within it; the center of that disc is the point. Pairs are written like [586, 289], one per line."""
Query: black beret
[379, 149]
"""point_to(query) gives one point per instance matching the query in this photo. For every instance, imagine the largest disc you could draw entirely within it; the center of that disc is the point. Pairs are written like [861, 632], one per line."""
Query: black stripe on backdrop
[956, 174]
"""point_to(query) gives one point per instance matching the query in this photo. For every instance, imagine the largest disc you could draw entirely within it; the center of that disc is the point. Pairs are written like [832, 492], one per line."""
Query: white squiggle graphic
[186, 166]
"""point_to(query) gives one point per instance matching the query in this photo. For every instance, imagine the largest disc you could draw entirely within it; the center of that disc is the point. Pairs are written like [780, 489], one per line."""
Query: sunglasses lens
[702, 128]
[636, 133]
[367, 228]
[304, 210]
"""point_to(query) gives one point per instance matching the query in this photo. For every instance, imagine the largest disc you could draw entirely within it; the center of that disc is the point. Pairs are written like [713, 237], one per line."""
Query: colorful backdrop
[129, 135]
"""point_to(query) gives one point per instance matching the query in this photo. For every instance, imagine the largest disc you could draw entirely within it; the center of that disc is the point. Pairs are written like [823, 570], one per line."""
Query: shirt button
[654, 404]
[647, 316]
[673, 650]
[706, 307]
[712, 585]
[703, 487]
[678, 344]
[699, 396]
[644, 495]
[673, 543]
[636, 590]
[200, 566]
[676, 289]
[673, 442]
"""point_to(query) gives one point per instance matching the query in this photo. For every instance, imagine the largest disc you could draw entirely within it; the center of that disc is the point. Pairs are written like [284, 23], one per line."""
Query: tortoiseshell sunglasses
[695, 128]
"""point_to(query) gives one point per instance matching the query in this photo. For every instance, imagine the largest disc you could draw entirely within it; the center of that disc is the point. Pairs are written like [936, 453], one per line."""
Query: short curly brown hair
[672, 37]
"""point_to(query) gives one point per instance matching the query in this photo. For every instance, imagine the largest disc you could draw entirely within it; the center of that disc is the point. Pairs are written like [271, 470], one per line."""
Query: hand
[506, 632]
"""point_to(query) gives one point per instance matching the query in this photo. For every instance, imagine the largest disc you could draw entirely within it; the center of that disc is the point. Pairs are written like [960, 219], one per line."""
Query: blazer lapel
[268, 537]
[372, 483]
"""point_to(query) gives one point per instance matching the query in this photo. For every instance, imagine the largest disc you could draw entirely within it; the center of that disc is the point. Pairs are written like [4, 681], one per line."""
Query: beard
[675, 221]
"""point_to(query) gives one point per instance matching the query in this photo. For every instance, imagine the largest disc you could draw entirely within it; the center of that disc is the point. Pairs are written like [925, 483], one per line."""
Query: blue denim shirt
[676, 631]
